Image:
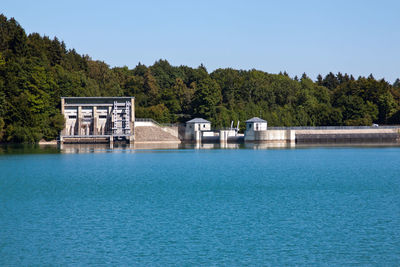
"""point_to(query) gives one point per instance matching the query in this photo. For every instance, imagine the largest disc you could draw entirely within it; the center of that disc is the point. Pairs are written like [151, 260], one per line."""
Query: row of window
[87, 117]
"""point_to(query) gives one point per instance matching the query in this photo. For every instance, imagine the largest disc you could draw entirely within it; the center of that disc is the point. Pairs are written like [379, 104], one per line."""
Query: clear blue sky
[353, 36]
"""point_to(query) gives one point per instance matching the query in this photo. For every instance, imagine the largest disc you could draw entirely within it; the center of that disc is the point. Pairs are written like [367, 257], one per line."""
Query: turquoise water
[310, 206]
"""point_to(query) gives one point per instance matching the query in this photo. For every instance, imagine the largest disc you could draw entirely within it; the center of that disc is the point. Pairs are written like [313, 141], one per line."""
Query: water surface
[307, 206]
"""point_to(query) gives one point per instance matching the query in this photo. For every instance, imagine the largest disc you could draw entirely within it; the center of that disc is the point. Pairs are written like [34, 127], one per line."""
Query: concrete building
[257, 131]
[195, 127]
[97, 119]
[256, 124]
[253, 128]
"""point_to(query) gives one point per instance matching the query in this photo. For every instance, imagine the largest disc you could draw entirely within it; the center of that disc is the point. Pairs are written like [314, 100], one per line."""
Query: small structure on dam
[195, 127]
[254, 126]
[97, 119]
[199, 130]
[257, 131]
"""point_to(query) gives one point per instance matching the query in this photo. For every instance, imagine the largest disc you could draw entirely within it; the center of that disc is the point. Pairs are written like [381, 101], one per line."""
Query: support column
[197, 136]
[292, 136]
[63, 132]
[62, 105]
[108, 125]
[111, 141]
[223, 136]
[95, 121]
[79, 120]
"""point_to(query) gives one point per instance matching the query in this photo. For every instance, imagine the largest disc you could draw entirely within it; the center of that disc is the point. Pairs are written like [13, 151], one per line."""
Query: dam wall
[282, 135]
[149, 131]
[329, 134]
[170, 129]
[347, 135]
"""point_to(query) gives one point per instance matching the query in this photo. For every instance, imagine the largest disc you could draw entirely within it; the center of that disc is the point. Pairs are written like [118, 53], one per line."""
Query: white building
[194, 128]
[254, 127]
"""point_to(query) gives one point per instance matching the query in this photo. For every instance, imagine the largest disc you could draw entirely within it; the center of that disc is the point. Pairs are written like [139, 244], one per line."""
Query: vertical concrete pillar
[63, 132]
[111, 141]
[223, 136]
[108, 125]
[197, 136]
[62, 105]
[79, 120]
[292, 136]
[95, 121]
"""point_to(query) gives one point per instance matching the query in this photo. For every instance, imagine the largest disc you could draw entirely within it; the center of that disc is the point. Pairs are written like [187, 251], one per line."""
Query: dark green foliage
[207, 97]
[396, 84]
[35, 71]
[1, 128]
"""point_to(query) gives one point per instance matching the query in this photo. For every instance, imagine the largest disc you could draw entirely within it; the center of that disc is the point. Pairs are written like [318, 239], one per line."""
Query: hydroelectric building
[98, 119]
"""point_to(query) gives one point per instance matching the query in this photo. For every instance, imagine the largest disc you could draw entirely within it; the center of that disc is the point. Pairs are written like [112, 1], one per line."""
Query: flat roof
[198, 120]
[256, 119]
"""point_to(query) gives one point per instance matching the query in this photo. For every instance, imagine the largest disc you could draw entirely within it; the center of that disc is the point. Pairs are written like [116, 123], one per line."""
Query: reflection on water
[28, 149]
[99, 148]
[127, 148]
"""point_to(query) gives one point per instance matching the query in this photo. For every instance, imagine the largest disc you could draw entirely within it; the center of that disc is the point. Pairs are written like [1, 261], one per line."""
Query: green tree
[207, 97]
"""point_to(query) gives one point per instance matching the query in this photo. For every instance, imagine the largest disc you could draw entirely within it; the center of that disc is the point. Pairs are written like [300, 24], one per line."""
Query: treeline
[35, 71]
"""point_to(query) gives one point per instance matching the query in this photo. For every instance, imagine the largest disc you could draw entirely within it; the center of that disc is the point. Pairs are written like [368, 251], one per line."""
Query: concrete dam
[112, 119]
[331, 134]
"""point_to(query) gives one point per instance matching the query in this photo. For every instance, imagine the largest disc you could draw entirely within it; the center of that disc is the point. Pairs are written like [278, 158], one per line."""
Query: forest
[35, 71]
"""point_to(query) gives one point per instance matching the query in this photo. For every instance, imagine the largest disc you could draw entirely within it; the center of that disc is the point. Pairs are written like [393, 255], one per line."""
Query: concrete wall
[347, 135]
[274, 135]
[348, 131]
[172, 130]
[270, 135]
[224, 135]
[323, 135]
[153, 134]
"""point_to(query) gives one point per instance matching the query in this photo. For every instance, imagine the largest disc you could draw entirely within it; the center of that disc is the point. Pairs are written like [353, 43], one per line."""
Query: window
[204, 126]
[72, 117]
[102, 116]
[249, 125]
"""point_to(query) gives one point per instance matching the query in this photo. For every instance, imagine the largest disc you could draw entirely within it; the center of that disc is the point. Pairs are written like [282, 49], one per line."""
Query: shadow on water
[10, 149]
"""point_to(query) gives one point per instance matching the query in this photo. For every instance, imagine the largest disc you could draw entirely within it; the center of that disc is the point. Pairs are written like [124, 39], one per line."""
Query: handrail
[333, 127]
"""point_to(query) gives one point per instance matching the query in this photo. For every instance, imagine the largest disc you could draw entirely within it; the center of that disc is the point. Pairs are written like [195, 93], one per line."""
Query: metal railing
[334, 127]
